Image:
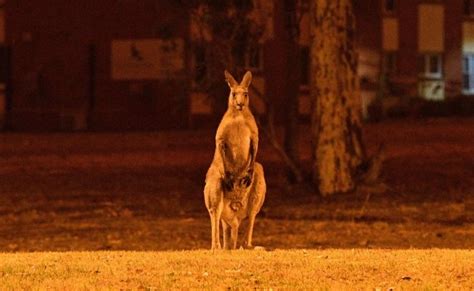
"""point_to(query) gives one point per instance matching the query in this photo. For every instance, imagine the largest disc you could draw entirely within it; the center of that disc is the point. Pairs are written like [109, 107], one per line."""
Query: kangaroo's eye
[246, 95]
[233, 94]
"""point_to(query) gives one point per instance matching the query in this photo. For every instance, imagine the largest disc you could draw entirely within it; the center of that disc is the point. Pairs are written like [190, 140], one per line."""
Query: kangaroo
[235, 184]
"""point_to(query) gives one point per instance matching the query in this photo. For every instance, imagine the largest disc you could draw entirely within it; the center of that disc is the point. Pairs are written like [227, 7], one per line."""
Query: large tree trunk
[336, 114]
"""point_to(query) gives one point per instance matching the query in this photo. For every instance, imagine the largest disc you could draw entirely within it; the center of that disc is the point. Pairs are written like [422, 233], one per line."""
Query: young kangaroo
[235, 184]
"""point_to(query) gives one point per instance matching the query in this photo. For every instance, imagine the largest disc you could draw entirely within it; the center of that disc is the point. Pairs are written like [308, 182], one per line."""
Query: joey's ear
[230, 80]
[246, 80]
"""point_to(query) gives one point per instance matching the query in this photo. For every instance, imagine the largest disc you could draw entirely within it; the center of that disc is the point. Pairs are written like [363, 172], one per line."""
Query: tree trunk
[338, 150]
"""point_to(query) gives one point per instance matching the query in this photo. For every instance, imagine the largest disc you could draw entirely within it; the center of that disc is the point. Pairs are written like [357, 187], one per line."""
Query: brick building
[95, 64]
[113, 64]
[407, 48]
[423, 45]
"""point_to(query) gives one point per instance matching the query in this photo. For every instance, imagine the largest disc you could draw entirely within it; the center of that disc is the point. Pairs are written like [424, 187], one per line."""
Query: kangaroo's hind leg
[213, 197]
[225, 234]
[256, 198]
[249, 233]
[234, 233]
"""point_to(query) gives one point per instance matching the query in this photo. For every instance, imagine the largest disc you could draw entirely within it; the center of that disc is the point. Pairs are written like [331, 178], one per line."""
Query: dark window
[468, 73]
[240, 59]
[304, 64]
[390, 6]
[200, 67]
[3, 64]
[466, 82]
[434, 64]
[469, 7]
[390, 62]
[254, 57]
[430, 65]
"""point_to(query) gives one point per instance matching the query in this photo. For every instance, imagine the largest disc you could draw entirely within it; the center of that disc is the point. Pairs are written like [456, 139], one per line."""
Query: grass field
[333, 269]
[111, 210]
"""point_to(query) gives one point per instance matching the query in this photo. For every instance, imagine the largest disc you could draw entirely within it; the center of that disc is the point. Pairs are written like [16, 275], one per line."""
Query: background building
[131, 65]
[96, 64]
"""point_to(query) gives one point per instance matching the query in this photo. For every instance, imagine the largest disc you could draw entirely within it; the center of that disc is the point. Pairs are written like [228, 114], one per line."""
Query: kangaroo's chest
[236, 135]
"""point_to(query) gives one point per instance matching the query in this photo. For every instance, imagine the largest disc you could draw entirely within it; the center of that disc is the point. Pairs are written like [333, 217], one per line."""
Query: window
[468, 73]
[254, 58]
[304, 65]
[199, 62]
[3, 63]
[431, 66]
[389, 6]
[389, 63]
[469, 7]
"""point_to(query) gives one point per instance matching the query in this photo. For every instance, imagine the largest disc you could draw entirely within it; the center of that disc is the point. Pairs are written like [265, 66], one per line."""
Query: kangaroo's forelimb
[227, 160]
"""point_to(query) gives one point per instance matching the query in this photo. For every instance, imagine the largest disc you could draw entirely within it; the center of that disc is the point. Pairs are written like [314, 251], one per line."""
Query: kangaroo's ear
[246, 80]
[230, 80]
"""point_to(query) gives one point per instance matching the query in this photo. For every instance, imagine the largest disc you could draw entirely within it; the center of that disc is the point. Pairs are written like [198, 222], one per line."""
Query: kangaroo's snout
[239, 98]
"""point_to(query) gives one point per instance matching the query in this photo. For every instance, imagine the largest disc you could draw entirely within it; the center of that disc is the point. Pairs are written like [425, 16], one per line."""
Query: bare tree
[292, 15]
[229, 30]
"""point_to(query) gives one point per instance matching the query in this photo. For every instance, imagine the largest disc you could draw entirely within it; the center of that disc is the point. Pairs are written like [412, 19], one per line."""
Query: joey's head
[239, 93]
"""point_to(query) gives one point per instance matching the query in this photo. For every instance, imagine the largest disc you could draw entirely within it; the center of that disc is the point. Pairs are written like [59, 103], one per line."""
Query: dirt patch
[143, 191]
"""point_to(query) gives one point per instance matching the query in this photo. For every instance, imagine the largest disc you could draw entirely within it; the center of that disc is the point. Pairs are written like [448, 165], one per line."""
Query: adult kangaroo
[235, 184]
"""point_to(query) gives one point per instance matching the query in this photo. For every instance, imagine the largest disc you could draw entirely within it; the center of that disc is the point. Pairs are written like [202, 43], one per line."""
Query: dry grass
[435, 269]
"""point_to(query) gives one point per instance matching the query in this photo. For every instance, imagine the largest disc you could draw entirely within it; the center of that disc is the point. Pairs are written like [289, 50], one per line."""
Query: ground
[143, 191]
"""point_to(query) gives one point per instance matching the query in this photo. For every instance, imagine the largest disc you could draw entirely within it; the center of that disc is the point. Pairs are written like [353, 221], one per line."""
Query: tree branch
[270, 133]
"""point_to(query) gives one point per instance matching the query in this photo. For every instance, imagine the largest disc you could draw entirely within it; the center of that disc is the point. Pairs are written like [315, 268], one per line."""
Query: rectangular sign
[145, 59]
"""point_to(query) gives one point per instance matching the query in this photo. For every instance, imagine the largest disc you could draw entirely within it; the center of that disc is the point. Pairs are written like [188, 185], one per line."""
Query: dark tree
[336, 118]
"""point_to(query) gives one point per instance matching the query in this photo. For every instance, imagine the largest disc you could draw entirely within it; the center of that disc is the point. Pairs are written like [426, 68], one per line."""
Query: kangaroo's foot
[246, 246]
[216, 247]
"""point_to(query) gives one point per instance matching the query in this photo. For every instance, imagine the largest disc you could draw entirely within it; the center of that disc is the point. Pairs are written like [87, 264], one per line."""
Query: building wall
[406, 75]
[453, 47]
[61, 65]
[61, 60]
[417, 39]
[275, 63]
[3, 67]
[369, 45]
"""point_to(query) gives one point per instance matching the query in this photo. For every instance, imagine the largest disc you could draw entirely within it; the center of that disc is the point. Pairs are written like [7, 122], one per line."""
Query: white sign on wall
[144, 59]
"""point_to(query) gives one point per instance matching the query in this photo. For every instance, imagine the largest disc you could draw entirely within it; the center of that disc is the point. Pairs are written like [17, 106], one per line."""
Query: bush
[400, 107]
[458, 106]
